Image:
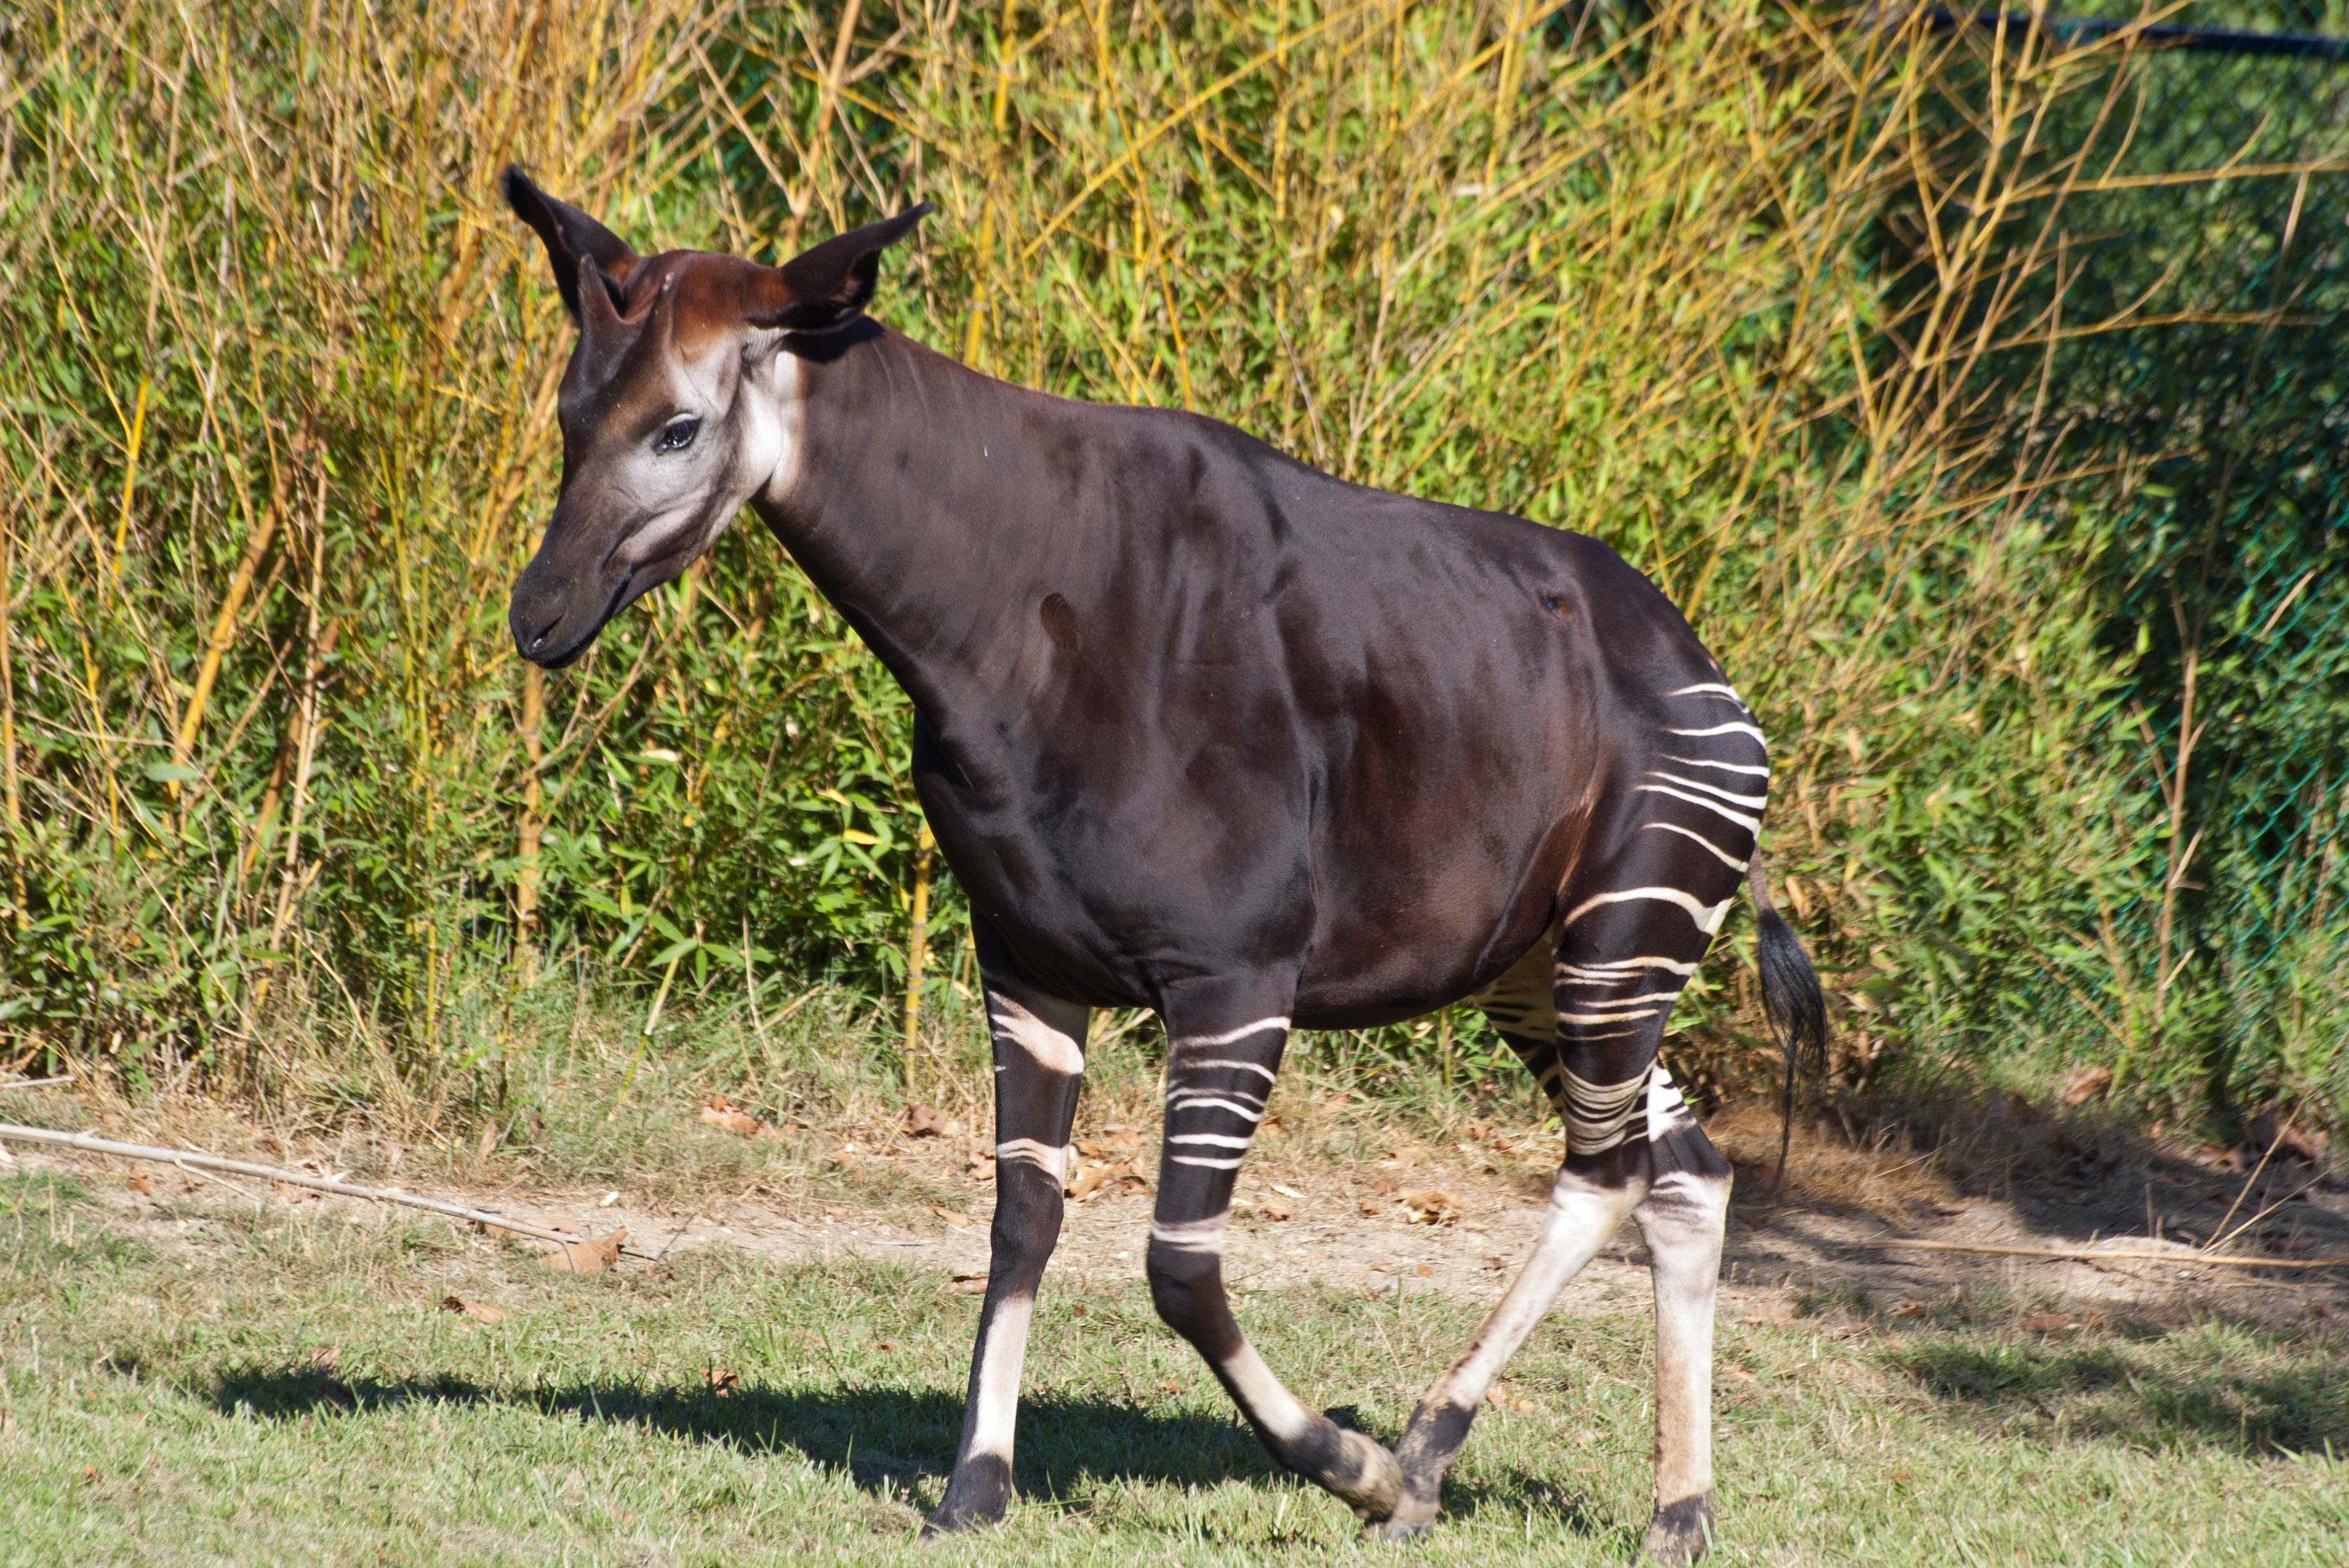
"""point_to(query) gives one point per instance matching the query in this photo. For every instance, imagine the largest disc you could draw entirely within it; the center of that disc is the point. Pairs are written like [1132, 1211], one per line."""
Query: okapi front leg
[1222, 1054]
[1038, 1064]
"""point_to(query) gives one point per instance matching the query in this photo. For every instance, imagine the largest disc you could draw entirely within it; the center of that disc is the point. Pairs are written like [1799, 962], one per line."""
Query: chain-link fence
[2204, 402]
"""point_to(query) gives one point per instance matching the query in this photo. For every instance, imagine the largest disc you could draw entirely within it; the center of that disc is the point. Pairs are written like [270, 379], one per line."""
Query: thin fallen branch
[92, 1144]
[2183, 1260]
[36, 1083]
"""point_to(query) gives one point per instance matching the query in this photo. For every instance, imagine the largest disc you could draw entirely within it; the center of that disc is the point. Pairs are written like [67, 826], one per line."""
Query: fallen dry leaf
[722, 1382]
[7, 1422]
[587, 1258]
[1909, 1308]
[325, 1358]
[724, 1113]
[1271, 1210]
[959, 1220]
[1423, 1272]
[1431, 1208]
[968, 1284]
[923, 1121]
[141, 1185]
[1272, 1124]
[289, 1193]
[1373, 1206]
[479, 1311]
[2086, 1085]
[1409, 1154]
[1948, 1210]
[1780, 1312]
[2047, 1323]
[1171, 1386]
[490, 1140]
[981, 1168]
[1738, 1373]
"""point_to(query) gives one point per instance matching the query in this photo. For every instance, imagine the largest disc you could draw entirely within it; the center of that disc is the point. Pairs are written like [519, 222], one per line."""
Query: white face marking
[1049, 1048]
[762, 410]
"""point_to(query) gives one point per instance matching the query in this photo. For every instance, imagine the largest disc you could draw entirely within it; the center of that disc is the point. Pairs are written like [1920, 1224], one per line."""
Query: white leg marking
[1597, 1113]
[1051, 1161]
[1193, 1235]
[1732, 864]
[1708, 916]
[1684, 1244]
[1052, 1050]
[1215, 1140]
[1262, 1396]
[1195, 1064]
[1195, 1042]
[1203, 1164]
[1672, 966]
[1187, 1099]
[1005, 1350]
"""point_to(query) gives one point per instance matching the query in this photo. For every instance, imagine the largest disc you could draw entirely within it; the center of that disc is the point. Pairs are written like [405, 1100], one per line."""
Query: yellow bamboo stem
[917, 948]
[256, 545]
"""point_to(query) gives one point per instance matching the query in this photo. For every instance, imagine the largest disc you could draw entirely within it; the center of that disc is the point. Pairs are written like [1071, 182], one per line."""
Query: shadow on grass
[888, 1440]
[882, 1438]
[2297, 1401]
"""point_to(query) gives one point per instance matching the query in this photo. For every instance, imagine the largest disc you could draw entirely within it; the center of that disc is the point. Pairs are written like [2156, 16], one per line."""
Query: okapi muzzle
[678, 406]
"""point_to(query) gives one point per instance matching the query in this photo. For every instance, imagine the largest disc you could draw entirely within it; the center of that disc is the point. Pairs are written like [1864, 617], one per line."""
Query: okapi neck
[936, 507]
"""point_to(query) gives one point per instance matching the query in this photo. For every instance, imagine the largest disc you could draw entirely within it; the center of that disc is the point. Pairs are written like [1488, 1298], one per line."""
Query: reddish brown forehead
[714, 294]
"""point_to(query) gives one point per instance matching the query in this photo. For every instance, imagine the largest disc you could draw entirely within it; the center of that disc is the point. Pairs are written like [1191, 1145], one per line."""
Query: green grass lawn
[293, 1391]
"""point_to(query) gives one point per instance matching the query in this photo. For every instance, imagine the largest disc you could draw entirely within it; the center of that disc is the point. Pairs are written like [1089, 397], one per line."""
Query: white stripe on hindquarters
[1762, 772]
[1751, 824]
[1756, 801]
[1710, 688]
[1718, 853]
[1708, 916]
[1723, 729]
[1597, 1114]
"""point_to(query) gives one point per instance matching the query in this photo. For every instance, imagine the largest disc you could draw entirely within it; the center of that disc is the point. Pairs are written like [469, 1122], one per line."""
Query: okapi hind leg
[1223, 1051]
[1683, 1216]
[1038, 1066]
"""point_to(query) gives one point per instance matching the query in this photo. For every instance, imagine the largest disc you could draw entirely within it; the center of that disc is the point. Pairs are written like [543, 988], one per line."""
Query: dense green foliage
[1755, 296]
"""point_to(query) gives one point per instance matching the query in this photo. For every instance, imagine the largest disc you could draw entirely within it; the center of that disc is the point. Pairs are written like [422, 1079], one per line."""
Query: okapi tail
[1791, 999]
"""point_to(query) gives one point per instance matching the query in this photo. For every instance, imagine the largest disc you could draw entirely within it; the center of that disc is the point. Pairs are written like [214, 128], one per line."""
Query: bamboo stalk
[90, 1143]
[12, 821]
[216, 644]
[917, 948]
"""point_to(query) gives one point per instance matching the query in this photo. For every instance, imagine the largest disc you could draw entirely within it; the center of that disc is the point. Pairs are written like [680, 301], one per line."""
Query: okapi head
[679, 405]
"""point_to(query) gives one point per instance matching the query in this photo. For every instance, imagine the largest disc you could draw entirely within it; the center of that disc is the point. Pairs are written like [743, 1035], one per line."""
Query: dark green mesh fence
[2213, 436]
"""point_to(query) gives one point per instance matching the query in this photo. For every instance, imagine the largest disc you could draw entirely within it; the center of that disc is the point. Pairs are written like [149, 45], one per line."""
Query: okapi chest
[1204, 730]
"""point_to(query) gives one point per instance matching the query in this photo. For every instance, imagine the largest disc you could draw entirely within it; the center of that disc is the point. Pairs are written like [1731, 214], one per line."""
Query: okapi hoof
[976, 1495]
[1399, 1531]
[1681, 1532]
[1361, 1474]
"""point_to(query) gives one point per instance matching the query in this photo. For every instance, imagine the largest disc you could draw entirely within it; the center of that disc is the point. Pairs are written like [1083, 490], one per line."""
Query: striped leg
[1224, 1048]
[1038, 1064]
[1586, 1014]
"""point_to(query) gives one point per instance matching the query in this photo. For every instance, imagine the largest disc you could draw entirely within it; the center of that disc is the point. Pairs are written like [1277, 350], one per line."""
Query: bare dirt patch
[1361, 1208]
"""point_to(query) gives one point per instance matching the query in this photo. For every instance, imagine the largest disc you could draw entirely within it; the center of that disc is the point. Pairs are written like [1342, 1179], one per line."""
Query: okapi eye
[678, 435]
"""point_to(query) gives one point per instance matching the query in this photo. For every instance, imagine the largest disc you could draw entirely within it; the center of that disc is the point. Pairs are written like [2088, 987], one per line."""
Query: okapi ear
[571, 237]
[830, 284]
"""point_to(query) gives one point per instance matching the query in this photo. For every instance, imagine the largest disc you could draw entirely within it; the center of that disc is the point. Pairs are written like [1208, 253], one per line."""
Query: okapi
[1204, 730]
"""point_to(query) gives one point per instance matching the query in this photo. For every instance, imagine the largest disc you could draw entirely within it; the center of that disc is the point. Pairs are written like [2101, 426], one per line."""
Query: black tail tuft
[1790, 998]
[1790, 992]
